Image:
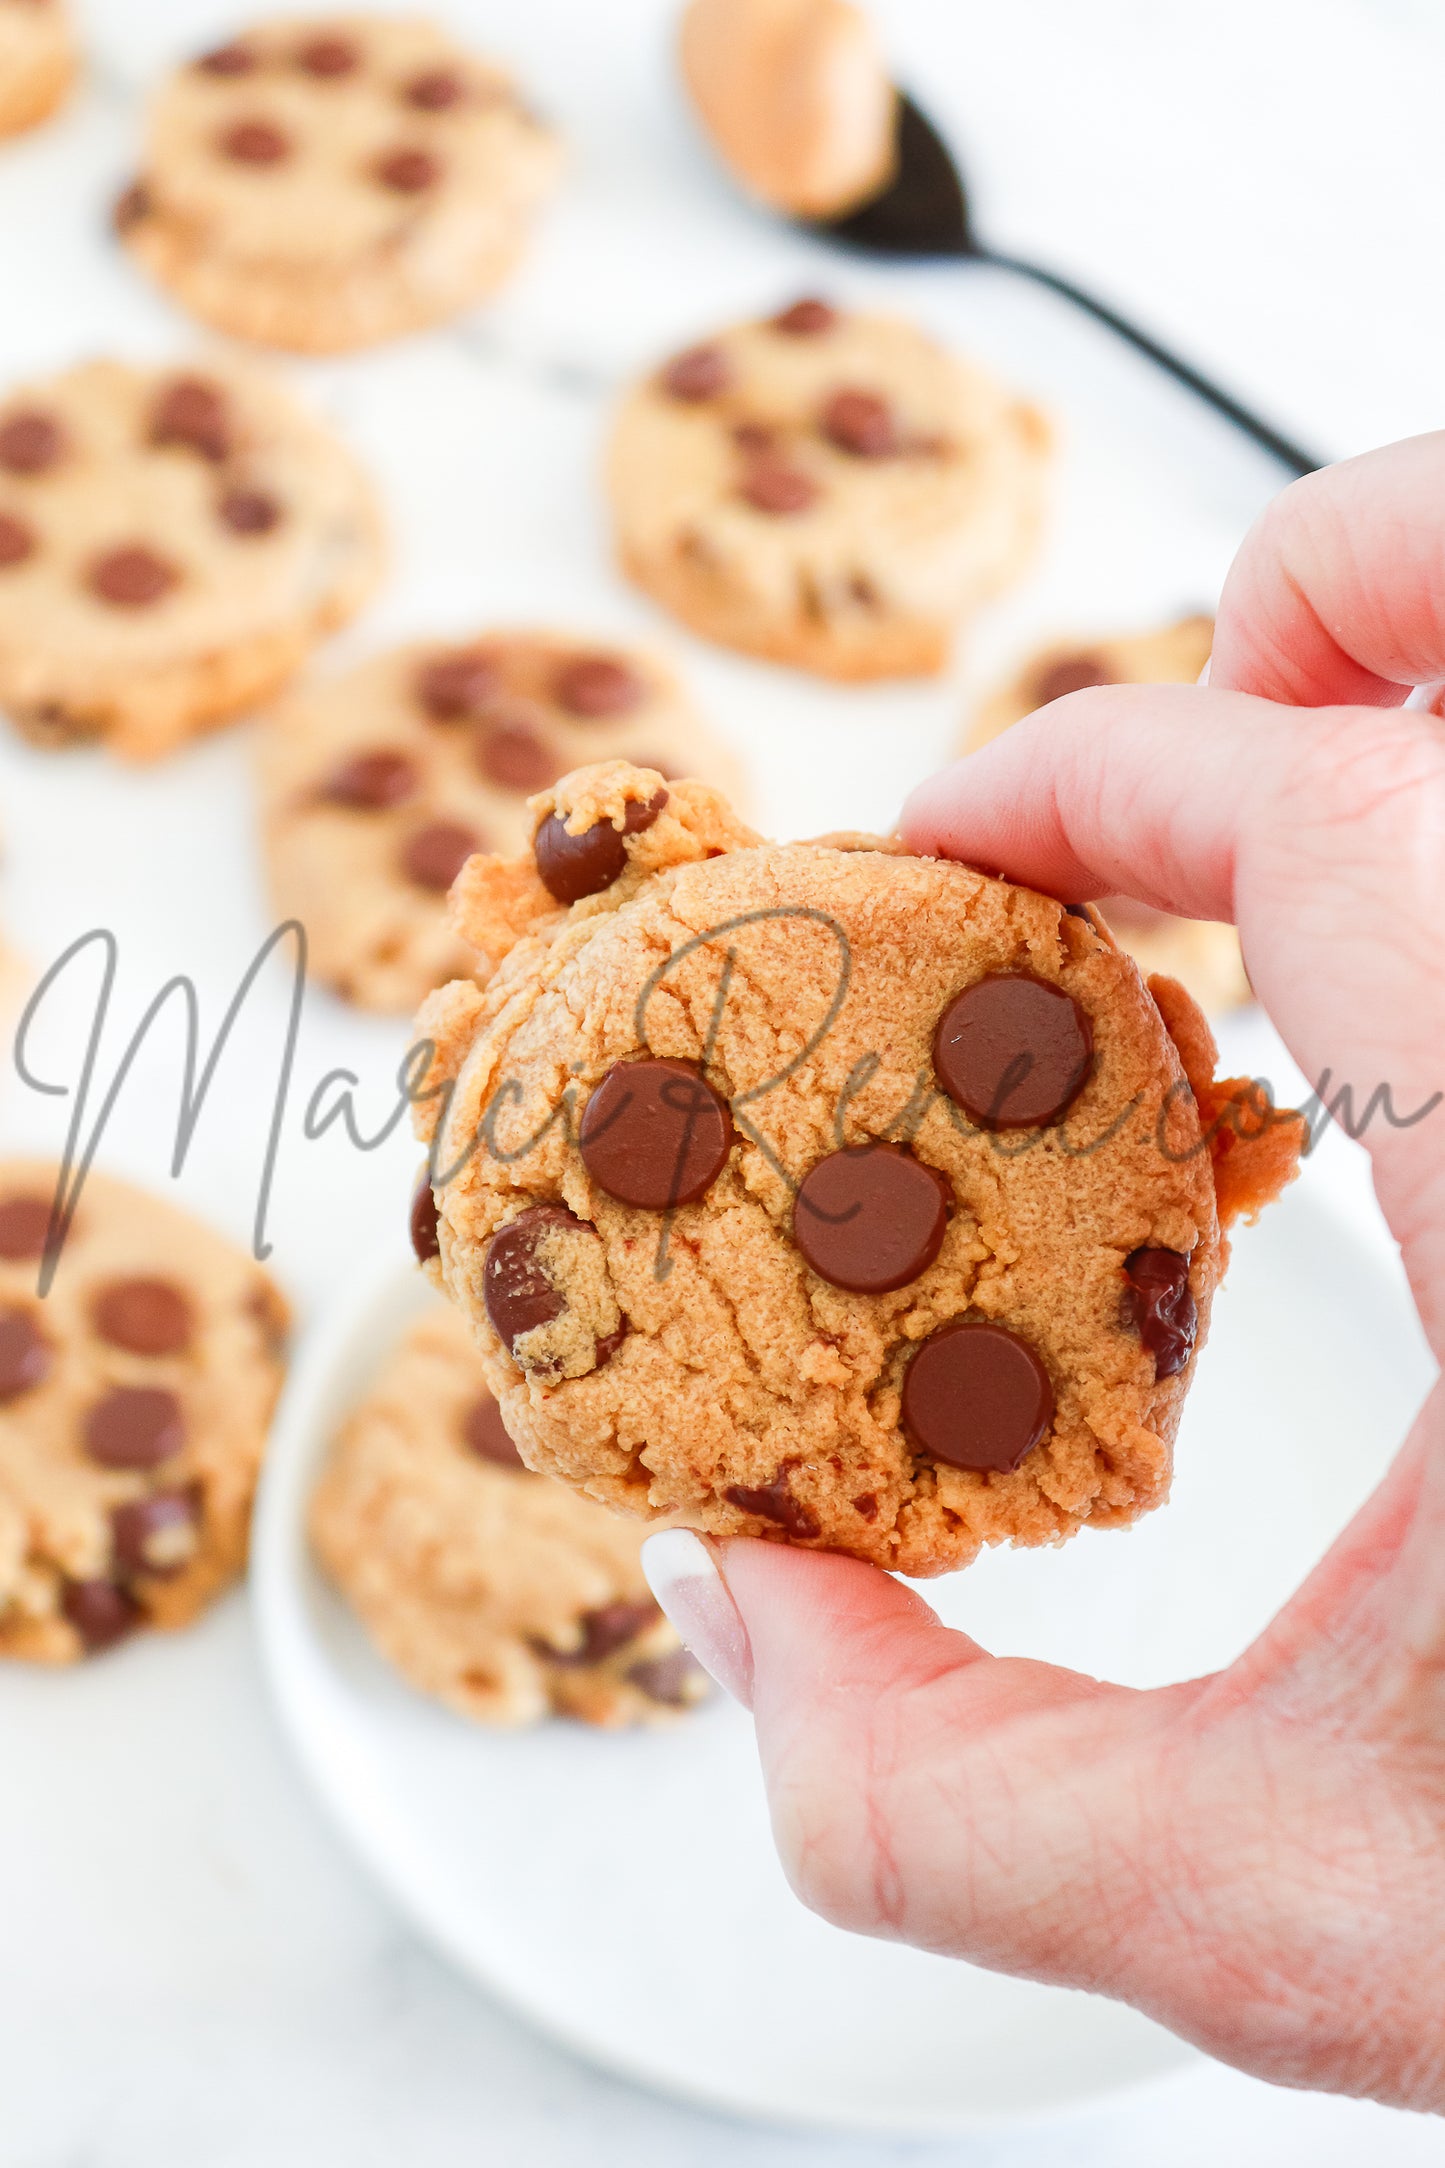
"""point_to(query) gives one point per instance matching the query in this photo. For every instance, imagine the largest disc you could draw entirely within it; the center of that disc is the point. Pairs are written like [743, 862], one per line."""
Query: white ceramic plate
[622, 1891]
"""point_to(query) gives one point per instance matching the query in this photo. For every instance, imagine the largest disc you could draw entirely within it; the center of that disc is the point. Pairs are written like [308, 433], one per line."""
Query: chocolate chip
[132, 577]
[753, 437]
[775, 1502]
[148, 1317]
[433, 856]
[436, 91]
[130, 207]
[870, 1219]
[454, 687]
[703, 372]
[30, 442]
[135, 1426]
[607, 1630]
[583, 865]
[486, 1434]
[195, 414]
[655, 1134]
[372, 782]
[609, 1342]
[255, 143]
[1069, 674]
[265, 1306]
[228, 60]
[515, 756]
[861, 423]
[976, 1396]
[771, 485]
[101, 1613]
[594, 685]
[424, 1218]
[328, 57]
[1161, 1307]
[674, 1681]
[17, 541]
[806, 318]
[409, 172]
[24, 1225]
[157, 1535]
[25, 1354]
[1013, 1051]
[248, 511]
[515, 1288]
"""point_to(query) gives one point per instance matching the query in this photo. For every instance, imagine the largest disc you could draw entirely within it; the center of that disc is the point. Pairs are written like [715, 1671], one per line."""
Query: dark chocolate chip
[25, 1354]
[593, 685]
[1161, 1307]
[609, 1342]
[101, 1613]
[806, 319]
[135, 1426]
[30, 442]
[515, 1287]
[372, 782]
[130, 207]
[409, 172]
[607, 1630]
[771, 485]
[255, 143]
[248, 511]
[1069, 674]
[486, 1434]
[453, 688]
[861, 423]
[24, 1225]
[976, 1396]
[435, 855]
[583, 865]
[775, 1502]
[147, 1317]
[702, 372]
[17, 541]
[228, 60]
[158, 1534]
[328, 57]
[1013, 1051]
[424, 1218]
[655, 1134]
[870, 1219]
[753, 437]
[195, 414]
[673, 1681]
[514, 754]
[131, 577]
[435, 91]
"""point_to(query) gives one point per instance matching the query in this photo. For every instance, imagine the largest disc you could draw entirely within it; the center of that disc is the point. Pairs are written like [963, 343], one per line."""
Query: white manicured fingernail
[1203, 678]
[682, 1572]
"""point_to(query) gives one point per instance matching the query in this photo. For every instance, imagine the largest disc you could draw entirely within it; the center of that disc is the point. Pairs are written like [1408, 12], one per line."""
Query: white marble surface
[192, 1974]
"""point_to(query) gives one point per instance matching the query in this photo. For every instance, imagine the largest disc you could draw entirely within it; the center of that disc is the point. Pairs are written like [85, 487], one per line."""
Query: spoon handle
[1288, 453]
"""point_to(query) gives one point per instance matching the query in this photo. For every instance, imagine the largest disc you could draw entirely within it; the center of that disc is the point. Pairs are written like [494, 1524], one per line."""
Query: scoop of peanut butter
[796, 98]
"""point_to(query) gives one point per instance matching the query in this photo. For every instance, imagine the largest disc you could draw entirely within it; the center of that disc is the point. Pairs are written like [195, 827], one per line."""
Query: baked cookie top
[155, 517]
[380, 783]
[34, 36]
[134, 1400]
[818, 1191]
[504, 1595]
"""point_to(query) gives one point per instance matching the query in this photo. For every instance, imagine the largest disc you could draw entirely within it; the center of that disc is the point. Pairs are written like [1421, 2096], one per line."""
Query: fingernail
[1203, 677]
[682, 1572]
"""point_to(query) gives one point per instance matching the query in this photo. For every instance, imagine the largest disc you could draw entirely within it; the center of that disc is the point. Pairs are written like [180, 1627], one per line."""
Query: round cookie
[37, 61]
[321, 183]
[820, 1192]
[1201, 953]
[503, 1595]
[134, 1401]
[378, 784]
[827, 489]
[173, 542]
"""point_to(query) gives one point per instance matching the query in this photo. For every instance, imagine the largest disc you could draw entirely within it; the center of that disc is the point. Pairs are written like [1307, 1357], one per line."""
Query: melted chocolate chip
[775, 1502]
[25, 1354]
[515, 755]
[131, 577]
[486, 1434]
[372, 782]
[771, 485]
[409, 172]
[453, 688]
[424, 1219]
[702, 372]
[101, 1613]
[673, 1681]
[1162, 1308]
[1069, 674]
[147, 1317]
[655, 1134]
[130, 207]
[435, 91]
[30, 442]
[195, 414]
[248, 511]
[255, 143]
[1013, 1051]
[158, 1534]
[593, 685]
[515, 1288]
[328, 57]
[976, 1396]
[870, 1219]
[24, 1225]
[435, 855]
[860, 423]
[583, 865]
[135, 1426]
[17, 541]
[806, 319]
[607, 1630]
[228, 60]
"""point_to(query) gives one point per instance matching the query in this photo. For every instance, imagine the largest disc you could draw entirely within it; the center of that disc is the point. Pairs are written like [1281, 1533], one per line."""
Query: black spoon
[923, 211]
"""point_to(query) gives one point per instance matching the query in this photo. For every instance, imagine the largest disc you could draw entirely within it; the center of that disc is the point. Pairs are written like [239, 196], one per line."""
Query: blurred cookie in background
[321, 183]
[379, 784]
[828, 489]
[494, 1590]
[1202, 954]
[173, 542]
[135, 1397]
[37, 61]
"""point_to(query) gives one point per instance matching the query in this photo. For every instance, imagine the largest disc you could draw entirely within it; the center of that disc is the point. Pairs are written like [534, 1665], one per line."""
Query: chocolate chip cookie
[504, 1595]
[324, 183]
[173, 542]
[820, 1192]
[827, 489]
[1204, 955]
[379, 785]
[37, 61]
[134, 1400]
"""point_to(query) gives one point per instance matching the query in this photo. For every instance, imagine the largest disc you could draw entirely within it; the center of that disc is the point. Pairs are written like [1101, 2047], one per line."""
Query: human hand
[1256, 1858]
